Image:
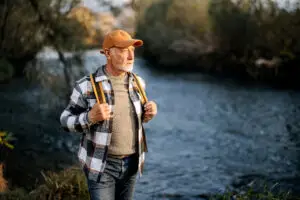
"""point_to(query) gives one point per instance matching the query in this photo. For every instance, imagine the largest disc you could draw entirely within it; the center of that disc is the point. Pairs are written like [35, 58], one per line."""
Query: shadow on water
[218, 79]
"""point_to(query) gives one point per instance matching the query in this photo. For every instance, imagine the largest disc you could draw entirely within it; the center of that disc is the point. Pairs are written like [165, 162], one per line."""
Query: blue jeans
[117, 181]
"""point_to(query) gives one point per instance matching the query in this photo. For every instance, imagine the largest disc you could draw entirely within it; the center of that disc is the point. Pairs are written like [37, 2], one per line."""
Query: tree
[27, 26]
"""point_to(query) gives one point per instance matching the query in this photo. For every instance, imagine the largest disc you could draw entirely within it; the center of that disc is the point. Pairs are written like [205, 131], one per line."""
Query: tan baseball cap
[119, 38]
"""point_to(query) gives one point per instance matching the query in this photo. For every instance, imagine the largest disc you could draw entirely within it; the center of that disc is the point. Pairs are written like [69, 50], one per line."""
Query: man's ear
[107, 53]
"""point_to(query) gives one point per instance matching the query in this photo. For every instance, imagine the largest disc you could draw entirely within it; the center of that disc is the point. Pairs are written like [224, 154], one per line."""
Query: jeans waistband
[125, 157]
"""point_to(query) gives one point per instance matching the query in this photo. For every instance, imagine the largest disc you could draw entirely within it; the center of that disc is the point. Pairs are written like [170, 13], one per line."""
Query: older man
[113, 143]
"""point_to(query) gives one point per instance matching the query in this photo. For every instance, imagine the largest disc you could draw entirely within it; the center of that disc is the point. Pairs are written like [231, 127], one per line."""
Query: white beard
[127, 68]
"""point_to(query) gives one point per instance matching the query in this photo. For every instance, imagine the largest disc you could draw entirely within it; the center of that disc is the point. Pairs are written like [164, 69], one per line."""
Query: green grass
[65, 185]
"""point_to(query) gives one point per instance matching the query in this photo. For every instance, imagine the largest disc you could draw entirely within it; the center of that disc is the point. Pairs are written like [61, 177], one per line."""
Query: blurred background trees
[28, 26]
[254, 38]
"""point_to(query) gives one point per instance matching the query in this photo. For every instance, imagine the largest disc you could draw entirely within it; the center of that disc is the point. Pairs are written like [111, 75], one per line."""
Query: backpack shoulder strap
[140, 88]
[98, 90]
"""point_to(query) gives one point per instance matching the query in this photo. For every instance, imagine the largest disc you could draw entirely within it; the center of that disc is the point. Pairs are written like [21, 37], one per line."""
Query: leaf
[10, 137]
[8, 145]
[2, 134]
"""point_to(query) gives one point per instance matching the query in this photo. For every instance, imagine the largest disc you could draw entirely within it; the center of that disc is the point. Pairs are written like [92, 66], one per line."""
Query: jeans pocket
[107, 179]
[113, 168]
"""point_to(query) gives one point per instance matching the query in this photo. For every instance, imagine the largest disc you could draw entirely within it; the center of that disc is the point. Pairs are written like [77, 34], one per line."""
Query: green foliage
[17, 194]
[29, 26]
[68, 184]
[172, 26]
[6, 145]
[232, 25]
[279, 31]
[188, 33]
[65, 185]
[5, 139]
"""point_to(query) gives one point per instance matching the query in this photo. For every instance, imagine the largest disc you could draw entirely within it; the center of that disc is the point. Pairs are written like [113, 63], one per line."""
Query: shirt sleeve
[74, 118]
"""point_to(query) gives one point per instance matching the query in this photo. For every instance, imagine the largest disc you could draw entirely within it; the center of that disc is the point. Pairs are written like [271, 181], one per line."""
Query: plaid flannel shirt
[96, 138]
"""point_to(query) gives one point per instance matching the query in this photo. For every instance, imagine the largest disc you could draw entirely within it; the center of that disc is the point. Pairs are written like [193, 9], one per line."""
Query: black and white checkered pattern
[96, 138]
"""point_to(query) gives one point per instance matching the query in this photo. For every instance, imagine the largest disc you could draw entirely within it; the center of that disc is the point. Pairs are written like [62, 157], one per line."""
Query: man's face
[122, 58]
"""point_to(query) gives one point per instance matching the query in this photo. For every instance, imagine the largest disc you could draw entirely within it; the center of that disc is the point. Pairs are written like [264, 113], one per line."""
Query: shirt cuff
[89, 123]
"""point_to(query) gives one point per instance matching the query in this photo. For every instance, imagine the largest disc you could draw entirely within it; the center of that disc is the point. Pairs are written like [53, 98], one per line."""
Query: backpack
[98, 90]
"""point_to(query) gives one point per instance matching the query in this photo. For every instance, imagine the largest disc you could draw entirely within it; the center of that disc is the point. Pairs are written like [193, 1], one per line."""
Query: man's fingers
[149, 108]
[150, 112]
[149, 115]
[106, 112]
[106, 115]
[104, 107]
[147, 118]
[148, 105]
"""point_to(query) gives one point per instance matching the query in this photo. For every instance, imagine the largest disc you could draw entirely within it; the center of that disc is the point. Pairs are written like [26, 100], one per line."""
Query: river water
[211, 134]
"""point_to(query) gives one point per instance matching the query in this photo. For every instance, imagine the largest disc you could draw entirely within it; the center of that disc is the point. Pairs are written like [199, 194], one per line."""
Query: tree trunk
[67, 72]
[3, 25]
[3, 182]
[50, 24]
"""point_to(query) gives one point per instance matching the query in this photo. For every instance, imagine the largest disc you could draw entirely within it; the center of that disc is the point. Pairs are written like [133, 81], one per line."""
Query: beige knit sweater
[123, 141]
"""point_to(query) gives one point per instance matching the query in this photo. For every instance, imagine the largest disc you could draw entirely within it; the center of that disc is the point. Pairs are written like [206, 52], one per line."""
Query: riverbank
[220, 66]
[222, 38]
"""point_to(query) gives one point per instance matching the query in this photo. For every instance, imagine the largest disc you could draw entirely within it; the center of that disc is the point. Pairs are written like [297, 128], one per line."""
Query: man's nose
[130, 55]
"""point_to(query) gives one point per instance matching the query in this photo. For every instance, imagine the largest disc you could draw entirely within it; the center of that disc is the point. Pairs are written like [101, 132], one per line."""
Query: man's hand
[150, 111]
[99, 112]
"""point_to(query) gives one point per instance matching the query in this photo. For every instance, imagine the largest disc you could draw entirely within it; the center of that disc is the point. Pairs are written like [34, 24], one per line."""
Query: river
[209, 134]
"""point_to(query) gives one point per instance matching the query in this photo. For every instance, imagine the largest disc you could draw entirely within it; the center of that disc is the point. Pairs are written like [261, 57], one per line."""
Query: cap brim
[128, 43]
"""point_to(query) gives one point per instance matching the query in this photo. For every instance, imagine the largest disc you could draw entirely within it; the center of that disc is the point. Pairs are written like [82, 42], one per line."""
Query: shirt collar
[101, 74]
